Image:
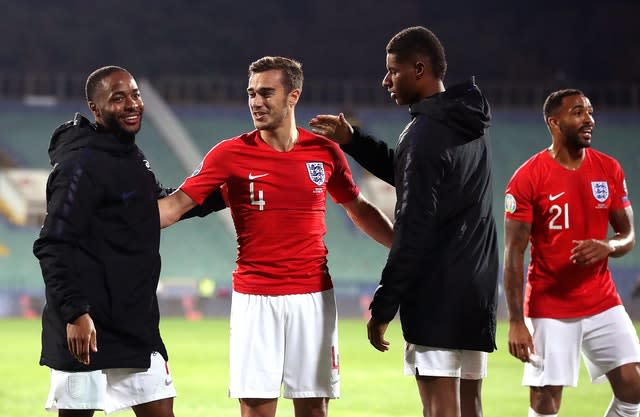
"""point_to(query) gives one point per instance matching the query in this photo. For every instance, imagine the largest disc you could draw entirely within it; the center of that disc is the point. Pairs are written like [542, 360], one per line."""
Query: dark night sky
[498, 40]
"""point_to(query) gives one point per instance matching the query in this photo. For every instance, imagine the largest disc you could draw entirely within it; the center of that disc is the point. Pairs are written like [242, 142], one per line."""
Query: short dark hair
[291, 69]
[554, 101]
[417, 41]
[96, 77]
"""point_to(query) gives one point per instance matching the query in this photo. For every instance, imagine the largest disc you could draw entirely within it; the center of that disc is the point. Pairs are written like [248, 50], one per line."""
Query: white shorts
[110, 390]
[607, 340]
[286, 340]
[456, 363]
[76, 391]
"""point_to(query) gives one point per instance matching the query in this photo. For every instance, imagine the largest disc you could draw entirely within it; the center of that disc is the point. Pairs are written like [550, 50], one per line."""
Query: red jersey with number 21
[564, 205]
[278, 204]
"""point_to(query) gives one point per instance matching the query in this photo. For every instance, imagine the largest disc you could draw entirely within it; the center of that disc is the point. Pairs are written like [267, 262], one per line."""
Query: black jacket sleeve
[372, 154]
[214, 202]
[71, 196]
[418, 188]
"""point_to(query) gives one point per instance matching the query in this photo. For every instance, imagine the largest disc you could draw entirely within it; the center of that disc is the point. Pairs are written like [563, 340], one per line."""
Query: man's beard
[111, 124]
[574, 140]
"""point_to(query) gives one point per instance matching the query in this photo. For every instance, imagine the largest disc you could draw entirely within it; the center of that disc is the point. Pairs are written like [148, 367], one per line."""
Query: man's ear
[94, 109]
[552, 122]
[420, 68]
[294, 96]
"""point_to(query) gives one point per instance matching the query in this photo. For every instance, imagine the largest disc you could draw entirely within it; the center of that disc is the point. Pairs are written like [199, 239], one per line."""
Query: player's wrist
[516, 320]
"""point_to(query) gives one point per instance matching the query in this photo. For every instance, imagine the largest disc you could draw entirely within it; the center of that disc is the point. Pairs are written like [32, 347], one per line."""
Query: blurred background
[190, 59]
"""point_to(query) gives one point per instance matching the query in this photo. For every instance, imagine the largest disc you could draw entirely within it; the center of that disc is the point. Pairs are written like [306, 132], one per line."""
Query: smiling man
[99, 254]
[283, 311]
[563, 200]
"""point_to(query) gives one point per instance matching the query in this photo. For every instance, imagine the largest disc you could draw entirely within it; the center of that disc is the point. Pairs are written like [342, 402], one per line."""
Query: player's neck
[282, 138]
[429, 89]
[569, 158]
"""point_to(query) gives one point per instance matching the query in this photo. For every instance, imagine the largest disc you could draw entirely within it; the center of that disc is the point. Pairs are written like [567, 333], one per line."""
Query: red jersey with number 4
[564, 205]
[278, 204]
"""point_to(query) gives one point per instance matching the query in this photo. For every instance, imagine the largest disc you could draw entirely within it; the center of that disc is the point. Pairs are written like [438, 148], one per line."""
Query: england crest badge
[600, 190]
[316, 172]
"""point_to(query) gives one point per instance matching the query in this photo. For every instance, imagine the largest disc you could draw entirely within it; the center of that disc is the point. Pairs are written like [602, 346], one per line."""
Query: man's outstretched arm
[370, 219]
[372, 154]
[173, 207]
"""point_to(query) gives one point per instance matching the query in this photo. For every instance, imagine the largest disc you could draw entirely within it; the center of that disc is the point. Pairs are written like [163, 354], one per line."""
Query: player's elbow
[624, 249]
[168, 214]
[166, 221]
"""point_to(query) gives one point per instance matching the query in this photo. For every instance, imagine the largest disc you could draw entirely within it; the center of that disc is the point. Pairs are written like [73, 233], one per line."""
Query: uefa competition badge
[600, 190]
[509, 203]
[197, 170]
[316, 172]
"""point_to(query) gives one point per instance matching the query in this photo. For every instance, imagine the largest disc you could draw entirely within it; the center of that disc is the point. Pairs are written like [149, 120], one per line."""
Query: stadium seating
[204, 248]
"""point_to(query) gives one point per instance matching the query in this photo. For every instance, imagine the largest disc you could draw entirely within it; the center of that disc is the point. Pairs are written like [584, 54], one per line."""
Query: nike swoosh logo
[555, 197]
[253, 177]
[168, 382]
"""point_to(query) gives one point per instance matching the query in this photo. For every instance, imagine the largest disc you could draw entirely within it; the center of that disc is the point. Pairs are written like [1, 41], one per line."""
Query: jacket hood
[81, 133]
[461, 107]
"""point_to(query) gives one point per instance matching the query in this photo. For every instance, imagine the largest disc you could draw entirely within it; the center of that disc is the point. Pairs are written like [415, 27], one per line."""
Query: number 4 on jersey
[260, 201]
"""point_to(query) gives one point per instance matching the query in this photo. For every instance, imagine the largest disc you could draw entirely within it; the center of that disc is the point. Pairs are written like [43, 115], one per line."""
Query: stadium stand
[204, 248]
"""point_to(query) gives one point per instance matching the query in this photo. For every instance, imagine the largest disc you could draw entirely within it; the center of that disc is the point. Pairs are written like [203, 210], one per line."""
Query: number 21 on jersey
[560, 219]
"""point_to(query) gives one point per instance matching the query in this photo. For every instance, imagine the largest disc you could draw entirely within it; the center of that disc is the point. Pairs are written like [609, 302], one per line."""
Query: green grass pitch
[372, 382]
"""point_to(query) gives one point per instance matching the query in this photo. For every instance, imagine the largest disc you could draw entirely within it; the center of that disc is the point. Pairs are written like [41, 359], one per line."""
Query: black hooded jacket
[99, 248]
[442, 270]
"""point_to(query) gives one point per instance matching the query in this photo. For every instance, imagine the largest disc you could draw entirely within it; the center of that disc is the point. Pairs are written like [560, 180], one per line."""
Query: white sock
[534, 413]
[619, 408]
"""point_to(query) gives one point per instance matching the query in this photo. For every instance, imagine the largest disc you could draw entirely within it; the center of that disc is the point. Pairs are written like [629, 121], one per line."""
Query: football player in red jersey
[283, 313]
[563, 200]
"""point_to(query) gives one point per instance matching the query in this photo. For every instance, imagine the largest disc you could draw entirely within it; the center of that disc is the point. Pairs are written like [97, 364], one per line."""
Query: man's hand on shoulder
[336, 128]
